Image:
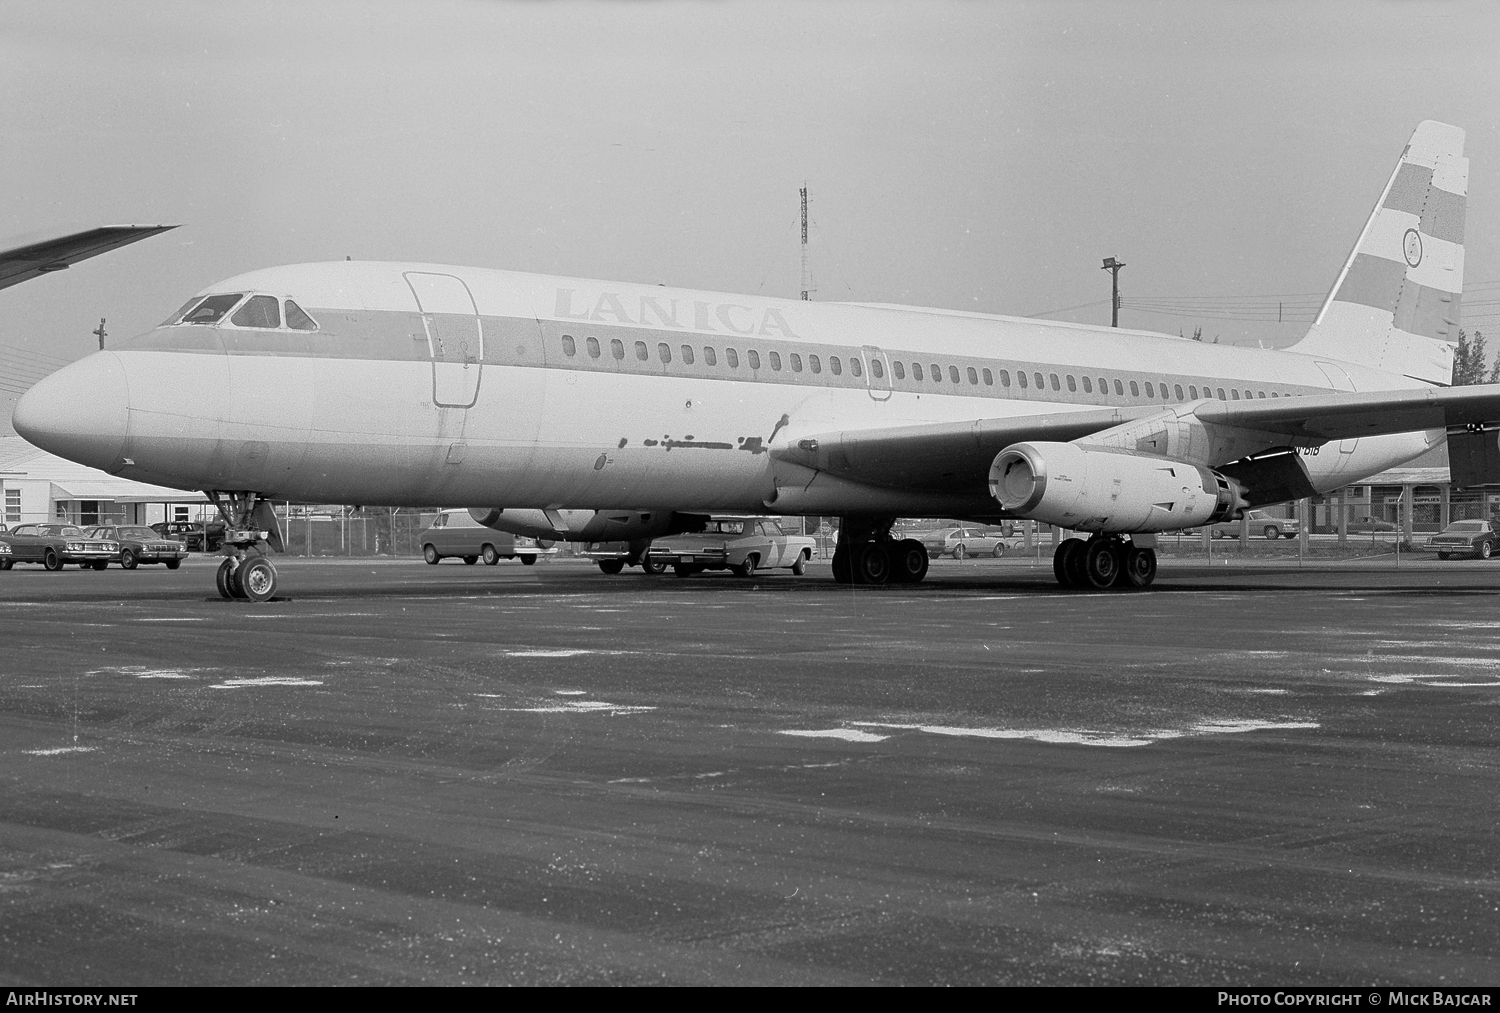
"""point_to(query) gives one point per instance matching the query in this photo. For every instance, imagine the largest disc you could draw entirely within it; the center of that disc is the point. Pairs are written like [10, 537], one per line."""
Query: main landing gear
[246, 572]
[1103, 561]
[865, 553]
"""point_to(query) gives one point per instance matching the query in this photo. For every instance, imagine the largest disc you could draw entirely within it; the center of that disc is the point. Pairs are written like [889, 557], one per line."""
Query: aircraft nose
[80, 412]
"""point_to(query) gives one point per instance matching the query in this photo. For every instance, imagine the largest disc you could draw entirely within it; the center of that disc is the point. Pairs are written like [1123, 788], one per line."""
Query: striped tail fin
[1395, 304]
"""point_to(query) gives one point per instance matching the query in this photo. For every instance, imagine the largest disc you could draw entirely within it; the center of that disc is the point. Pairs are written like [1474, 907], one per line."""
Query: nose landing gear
[1104, 561]
[251, 525]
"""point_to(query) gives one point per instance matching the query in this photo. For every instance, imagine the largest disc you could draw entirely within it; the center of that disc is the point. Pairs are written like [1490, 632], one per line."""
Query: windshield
[258, 311]
[138, 533]
[726, 527]
[212, 309]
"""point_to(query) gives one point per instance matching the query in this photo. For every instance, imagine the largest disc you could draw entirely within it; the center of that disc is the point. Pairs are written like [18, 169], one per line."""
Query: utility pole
[1113, 267]
[806, 281]
[101, 332]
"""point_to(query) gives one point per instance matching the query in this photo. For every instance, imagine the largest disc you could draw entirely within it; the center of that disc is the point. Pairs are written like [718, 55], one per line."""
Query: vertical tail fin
[1395, 304]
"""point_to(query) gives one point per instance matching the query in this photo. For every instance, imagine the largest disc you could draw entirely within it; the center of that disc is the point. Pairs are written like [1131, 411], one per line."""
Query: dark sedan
[1466, 538]
[1369, 526]
[54, 546]
[140, 544]
[199, 537]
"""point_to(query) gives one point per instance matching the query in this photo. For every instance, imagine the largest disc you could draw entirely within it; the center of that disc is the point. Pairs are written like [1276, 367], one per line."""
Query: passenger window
[570, 347]
[1150, 391]
[709, 357]
[1020, 378]
[953, 374]
[1072, 384]
[879, 370]
[640, 351]
[1234, 394]
[592, 344]
[687, 354]
[1135, 389]
[1088, 385]
[1260, 393]
[937, 373]
[1177, 389]
[1119, 388]
[617, 348]
[899, 368]
[1040, 383]
[298, 320]
[753, 357]
[1249, 395]
[258, 311]
[775, 358]
[916, 371]
[835, 365]
[1221, 395]
[663, 352]
[1192, 392]
[212, 309]
[1055, 384]
[974, 376]
[854, 367]
[796, 362]
[989, 378]
[732, 357]
[815, 364]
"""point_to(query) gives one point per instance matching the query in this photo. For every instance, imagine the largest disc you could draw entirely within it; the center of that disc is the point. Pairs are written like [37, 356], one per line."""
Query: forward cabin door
[455, 337]
[877, 373]
[1340, 380]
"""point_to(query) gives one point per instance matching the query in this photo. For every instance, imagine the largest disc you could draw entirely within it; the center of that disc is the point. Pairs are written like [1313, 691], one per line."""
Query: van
[455, 533]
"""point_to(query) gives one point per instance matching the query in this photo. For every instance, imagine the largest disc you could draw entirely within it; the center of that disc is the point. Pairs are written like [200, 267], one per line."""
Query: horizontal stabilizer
[22, 263]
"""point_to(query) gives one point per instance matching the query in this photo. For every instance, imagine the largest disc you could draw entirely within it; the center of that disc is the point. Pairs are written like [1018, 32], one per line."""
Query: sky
[974, 156]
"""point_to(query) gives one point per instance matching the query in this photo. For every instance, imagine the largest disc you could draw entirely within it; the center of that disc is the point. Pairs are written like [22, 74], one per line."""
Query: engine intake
[1094, 489]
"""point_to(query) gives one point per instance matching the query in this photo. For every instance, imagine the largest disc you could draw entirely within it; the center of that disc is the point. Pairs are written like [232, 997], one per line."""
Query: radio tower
[806, 281]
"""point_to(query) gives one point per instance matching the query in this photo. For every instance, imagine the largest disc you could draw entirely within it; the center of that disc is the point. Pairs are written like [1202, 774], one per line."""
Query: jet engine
[1106, 490]
[589, 525]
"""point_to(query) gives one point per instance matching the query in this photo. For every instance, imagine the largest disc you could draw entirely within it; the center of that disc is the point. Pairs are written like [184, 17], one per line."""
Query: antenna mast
[806, 281]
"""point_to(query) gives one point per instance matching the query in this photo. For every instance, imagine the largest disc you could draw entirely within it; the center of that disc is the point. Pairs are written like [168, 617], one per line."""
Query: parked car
[55, 546]
[1369, 525]
[962, 542]
[1466, 538]
[199, 536]
[455, 533]
[140, 544]
[1261, 523]
[744, 545]
[613, 557]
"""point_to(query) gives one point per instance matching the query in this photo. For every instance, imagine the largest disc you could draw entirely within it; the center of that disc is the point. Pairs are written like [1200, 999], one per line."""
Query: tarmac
[1255, 773]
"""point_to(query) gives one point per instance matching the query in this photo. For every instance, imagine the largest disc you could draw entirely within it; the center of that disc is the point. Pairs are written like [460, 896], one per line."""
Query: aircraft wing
[955, 456]
[23, 263]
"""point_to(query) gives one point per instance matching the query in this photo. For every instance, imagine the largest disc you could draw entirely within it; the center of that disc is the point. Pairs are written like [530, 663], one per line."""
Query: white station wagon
[744, 545]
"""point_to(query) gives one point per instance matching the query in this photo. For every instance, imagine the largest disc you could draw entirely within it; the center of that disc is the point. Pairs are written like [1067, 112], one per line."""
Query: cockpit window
[297, 320]
[258, 311]
[212, 309]
[176, 318]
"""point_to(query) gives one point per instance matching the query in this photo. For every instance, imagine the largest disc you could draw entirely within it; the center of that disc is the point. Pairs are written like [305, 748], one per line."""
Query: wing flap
[22, 263]
[1342, 416]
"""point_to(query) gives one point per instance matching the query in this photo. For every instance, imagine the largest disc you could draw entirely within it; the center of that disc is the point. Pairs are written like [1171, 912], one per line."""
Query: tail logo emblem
[1412, 247]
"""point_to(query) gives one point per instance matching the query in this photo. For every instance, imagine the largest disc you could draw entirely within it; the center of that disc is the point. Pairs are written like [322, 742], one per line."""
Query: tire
[1102, 560]
[222, 581]
[682, 569]
[653, 566]
[128, 560]
[909, 561]
[1067, 563]
[173, 564]
[872, 564]
[747, 568]
[1445, 555]
[1272, 532]
[470, 560]
[528, 560]
[256, 579]
[430, 553]
[489, 555]
[999, 550]
[843, 573]
[6, 564]
[1486, 549]
[52, 561]
[960, 551]
[100, 564]
[1140, 566]
[800, 566]
[611, 566]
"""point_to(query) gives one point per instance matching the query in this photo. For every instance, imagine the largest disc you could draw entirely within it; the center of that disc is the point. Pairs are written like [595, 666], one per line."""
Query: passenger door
[877, 373]
[455, 337]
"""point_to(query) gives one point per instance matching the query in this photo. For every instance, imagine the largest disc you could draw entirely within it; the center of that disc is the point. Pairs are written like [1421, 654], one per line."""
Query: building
[37, 486]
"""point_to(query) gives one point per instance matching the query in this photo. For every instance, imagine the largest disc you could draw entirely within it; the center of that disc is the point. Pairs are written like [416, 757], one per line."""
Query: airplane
[403, 383]
[34, 259]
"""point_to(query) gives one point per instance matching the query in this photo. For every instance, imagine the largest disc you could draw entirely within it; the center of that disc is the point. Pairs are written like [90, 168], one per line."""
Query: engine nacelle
[589, 525]
[1090, 489]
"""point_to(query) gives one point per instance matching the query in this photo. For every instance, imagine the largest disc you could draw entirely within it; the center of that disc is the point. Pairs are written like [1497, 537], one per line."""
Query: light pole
[1113, 267]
